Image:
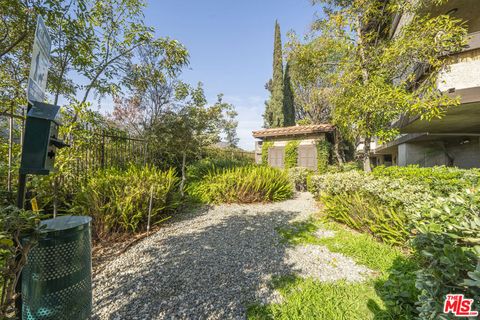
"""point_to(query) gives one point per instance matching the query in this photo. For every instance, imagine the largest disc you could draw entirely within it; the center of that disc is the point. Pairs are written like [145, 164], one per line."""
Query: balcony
[460, 79]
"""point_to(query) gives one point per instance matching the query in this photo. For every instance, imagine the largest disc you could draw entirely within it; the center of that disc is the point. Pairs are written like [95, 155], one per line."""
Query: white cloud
[250, 111]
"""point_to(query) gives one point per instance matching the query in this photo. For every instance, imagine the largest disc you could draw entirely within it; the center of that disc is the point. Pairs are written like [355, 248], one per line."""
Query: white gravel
[311, 261]
[321, 233]
[213, 263]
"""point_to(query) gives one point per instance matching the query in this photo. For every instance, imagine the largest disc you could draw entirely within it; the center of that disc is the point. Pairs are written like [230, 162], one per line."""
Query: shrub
[201, 168]
[436, 209]
[391, 192]
[229, 153]
[265, 146]
[323, 156]
[348, 166]
[298, 176]
[449, 241]
[291, 154]
[243, 185]
[15, 224]
[118, 200]
[368, 215]
[440, 180]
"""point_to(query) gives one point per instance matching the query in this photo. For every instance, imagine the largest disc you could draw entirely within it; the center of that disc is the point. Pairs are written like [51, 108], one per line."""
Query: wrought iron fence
[90, 149]
[11, 129]
[100, 150]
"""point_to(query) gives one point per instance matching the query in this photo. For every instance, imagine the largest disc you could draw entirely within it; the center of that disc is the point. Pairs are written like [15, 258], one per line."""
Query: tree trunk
[337, 138]
[184, 178]
[366, 155]
[367, 139]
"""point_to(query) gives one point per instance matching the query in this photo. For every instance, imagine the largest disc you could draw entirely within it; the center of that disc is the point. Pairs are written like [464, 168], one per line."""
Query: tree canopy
[365, 75]
[106, 46]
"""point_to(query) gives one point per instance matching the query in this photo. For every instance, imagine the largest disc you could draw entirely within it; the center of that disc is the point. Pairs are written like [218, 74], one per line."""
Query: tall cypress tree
[288, 100]
[274, 107]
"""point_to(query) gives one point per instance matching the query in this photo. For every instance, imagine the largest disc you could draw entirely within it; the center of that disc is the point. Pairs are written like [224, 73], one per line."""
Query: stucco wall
[425, 155]
[282, 142]
[466, 154]
[463, 72]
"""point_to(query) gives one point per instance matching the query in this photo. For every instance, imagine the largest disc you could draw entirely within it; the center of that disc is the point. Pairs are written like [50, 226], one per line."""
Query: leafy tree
[73, 40]
[179, 133]
[17, 25]
[313, 67]
[152, 84]
[119, 31]
[376, 83]
[229, 123]
[93, 38]
[288, 102]
[181, 127]
[274, 107]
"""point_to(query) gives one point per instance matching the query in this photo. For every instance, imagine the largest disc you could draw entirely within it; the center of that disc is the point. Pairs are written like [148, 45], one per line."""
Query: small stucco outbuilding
[308, 138]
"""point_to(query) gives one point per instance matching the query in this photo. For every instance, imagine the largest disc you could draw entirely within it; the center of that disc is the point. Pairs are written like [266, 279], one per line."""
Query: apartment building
[453, 140]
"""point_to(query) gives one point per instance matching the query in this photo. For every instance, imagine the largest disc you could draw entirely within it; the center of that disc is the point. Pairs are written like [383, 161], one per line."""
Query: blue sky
[230, 45]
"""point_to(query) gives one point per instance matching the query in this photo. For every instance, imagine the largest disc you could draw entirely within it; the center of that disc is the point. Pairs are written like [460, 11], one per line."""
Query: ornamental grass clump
[118, 200]
[197, 170]
[243, 185]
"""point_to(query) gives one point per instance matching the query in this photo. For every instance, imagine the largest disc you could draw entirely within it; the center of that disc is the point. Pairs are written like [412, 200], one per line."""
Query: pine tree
[274, 107]
[288, 100]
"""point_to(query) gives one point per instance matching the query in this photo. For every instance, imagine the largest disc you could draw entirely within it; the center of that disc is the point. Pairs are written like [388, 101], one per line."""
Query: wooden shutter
[276, 157]
[307, 157]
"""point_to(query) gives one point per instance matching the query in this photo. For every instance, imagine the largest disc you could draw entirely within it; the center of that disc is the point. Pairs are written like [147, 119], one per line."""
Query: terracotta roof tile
[294, 130]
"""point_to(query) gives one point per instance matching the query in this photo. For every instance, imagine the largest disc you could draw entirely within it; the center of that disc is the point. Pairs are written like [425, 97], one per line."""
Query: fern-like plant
[243, 185]
[118, 200]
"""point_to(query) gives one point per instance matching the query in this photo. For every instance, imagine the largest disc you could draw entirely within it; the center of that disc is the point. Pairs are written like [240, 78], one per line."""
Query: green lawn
[376, 298]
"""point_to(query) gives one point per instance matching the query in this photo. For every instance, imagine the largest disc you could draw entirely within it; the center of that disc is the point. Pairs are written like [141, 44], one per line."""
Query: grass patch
[308, 299]
[389, 295]
[363, 248]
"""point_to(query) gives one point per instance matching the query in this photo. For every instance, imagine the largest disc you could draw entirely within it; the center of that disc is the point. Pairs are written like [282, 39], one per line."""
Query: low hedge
[434, 211]
[440, 180]
[243, 185]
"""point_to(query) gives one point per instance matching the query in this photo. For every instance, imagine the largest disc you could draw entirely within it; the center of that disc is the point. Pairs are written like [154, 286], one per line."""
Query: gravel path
[213, 264]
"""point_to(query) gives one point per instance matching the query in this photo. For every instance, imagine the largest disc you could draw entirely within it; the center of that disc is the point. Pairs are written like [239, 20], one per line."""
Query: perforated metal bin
[56, 282]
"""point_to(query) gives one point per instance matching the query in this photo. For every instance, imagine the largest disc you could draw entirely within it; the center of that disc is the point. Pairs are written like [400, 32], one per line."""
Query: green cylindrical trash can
[57, 279]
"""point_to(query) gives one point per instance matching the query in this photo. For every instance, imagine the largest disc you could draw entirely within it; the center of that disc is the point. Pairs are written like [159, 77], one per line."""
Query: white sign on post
[37, 80]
